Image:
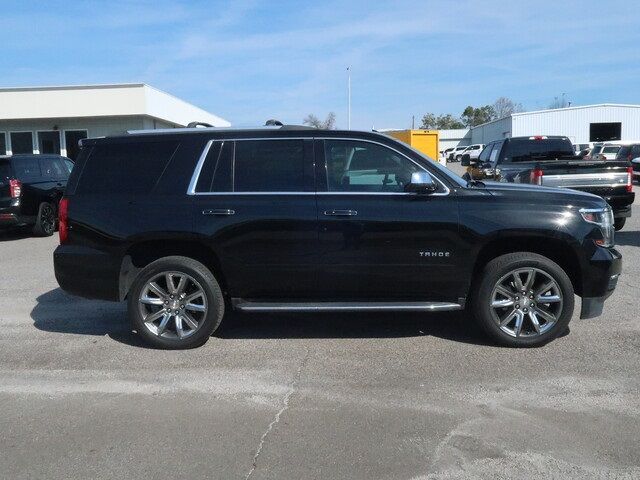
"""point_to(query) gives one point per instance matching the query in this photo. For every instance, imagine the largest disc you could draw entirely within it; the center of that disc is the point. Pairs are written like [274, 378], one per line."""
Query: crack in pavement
[285, 405]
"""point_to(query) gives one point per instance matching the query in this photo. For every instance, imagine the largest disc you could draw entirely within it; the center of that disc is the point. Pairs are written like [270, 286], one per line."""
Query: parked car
[550, 161]
[581, 147]
[631, 153]
[608, 150]
[187, 223]
[473, 151]
[30, 188]
[454, 155]
[447, 152]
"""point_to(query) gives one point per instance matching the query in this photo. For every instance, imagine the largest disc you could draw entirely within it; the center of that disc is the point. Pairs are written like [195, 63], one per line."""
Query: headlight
[603, 217]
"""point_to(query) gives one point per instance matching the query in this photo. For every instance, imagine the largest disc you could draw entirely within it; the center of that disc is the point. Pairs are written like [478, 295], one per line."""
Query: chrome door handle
[219, 212]
[340, 213]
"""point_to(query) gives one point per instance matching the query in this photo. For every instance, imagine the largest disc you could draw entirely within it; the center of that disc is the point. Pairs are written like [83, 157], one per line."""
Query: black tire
[45, 221]
[618, 223]
[207, 282]
[500, 267]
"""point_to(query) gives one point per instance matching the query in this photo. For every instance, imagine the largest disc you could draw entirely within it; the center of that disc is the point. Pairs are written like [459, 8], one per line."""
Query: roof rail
[199, 124]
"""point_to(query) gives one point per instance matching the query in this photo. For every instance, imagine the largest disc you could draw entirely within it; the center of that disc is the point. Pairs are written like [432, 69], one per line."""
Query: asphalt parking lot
[406, 396]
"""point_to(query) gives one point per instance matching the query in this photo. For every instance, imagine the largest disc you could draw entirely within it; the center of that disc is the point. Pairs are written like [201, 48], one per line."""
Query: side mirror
[421, 182]
[465, 161]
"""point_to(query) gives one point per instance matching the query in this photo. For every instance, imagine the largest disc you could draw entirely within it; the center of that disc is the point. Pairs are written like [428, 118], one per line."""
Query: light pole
[349, 96]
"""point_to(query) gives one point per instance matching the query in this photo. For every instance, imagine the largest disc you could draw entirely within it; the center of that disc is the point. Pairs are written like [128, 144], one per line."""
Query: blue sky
[252, 60]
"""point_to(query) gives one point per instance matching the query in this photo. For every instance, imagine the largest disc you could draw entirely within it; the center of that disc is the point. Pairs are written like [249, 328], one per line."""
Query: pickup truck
[551, 161]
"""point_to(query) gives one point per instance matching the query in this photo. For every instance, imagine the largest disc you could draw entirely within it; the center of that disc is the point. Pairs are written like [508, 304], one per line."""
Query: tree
[503, 107]
[329, 123]
[472, 116]
[441, 122]
[558, 102]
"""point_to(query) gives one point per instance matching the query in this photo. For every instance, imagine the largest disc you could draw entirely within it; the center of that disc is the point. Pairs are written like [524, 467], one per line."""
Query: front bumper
[604, 271]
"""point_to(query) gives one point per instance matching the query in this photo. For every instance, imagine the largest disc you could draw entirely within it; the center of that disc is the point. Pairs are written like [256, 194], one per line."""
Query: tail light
[15, 188]
[536, 176]
[63, 220]
[629, 179]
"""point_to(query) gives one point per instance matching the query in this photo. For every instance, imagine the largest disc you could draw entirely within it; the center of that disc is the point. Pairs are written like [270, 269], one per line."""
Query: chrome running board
[249, 306]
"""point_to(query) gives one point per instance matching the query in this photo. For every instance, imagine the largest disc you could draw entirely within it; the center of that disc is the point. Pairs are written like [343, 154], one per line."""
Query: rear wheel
[45, 221]
[175, 303]
[524, 300]
[619, 223]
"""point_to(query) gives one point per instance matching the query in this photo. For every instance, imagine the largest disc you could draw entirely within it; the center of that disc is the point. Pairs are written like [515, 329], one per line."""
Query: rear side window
[216, 174]
[27, 169]
[133, 167]
[53, 168]
[269, 166]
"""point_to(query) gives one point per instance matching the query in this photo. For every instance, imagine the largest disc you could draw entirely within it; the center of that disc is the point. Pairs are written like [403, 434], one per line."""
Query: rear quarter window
[129, 167]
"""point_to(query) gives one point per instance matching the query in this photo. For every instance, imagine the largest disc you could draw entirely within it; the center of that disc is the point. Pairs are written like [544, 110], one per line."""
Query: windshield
[524, 149]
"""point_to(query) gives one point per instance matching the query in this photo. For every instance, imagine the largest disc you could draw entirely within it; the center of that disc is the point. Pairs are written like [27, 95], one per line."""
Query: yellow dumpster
[427, 141]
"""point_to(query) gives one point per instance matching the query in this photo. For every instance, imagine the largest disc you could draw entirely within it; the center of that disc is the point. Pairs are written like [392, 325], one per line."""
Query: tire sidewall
[502, 266]
[207, 281]
[39, 228]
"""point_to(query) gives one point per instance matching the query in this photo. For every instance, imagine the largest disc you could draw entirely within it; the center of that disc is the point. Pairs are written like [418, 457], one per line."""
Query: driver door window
[354, 166]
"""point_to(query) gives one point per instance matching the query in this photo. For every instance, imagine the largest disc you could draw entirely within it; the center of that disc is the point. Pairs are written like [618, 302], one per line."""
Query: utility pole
[349, 96]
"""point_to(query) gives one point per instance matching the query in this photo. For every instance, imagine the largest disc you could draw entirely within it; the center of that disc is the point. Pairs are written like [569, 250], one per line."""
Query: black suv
[30, 188]
[188, 223]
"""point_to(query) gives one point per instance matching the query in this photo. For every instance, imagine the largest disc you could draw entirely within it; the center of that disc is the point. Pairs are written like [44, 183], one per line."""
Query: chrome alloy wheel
[172, 305]
[526, 302]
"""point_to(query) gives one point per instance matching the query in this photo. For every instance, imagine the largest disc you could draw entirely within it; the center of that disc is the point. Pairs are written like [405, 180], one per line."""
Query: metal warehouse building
[589, 123]
[53, 119]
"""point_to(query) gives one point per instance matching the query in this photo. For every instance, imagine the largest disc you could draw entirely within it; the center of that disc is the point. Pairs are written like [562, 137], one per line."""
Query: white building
[454, 138]
[589, 123]
[53, 119]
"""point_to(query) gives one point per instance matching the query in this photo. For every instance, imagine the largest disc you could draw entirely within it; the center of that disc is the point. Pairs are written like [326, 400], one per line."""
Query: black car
[30, 188]
[631, 153]
[187, 223]
[551, 161]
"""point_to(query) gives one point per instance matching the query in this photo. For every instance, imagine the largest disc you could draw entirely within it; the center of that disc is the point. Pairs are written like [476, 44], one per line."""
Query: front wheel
[523, 300]
[618, 223]
[175, 303]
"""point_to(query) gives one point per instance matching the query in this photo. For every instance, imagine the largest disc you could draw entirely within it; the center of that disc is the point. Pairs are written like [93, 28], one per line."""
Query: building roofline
[578, 107]
[492, 121]
[96, 86]
[519, 114]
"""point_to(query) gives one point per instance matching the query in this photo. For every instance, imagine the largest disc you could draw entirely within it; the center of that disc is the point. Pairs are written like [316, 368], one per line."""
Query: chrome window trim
[191, 190]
